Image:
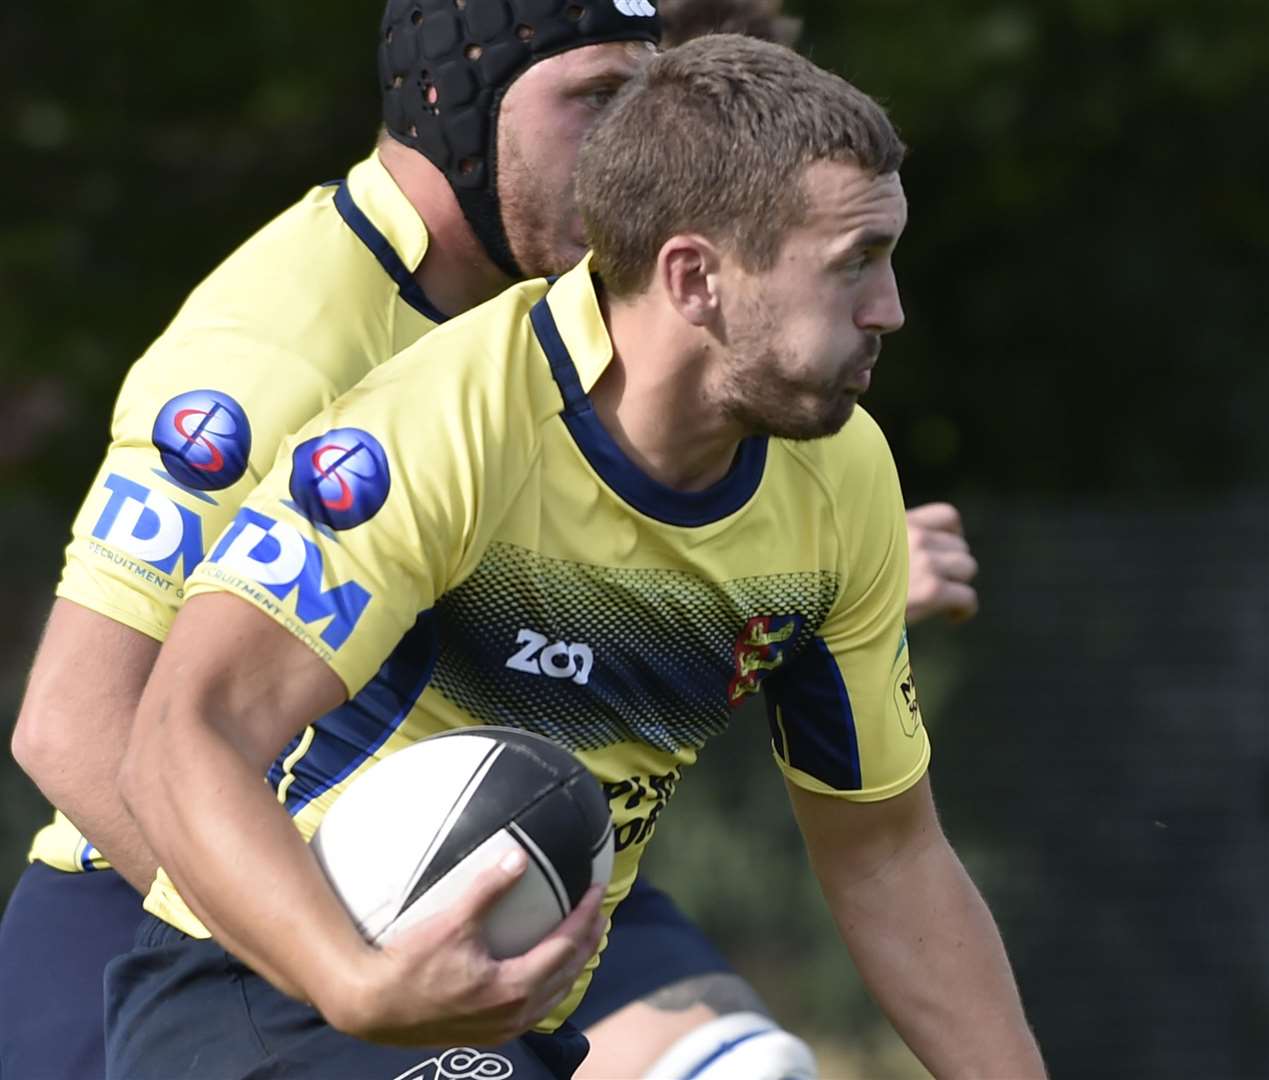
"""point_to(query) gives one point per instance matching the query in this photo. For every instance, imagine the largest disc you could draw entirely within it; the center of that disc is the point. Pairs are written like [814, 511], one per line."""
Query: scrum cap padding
[445, 64]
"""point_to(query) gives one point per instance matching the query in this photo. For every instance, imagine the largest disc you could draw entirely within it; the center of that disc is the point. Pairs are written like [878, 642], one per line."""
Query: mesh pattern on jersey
[662, 644]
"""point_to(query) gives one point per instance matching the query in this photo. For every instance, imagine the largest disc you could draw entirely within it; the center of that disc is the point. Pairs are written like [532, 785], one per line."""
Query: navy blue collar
[383, 250]
[650, 497]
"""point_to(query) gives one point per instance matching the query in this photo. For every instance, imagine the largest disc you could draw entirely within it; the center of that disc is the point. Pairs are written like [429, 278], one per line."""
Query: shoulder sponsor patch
[905, 695]
[257, 550]
[204, 440]
[149, 526]
[340, 479]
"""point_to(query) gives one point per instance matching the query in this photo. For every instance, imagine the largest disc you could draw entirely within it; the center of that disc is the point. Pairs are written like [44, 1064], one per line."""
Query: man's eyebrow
[873, 238]
[868, 240]
[611, 78]
[611, 74]
[610, 65]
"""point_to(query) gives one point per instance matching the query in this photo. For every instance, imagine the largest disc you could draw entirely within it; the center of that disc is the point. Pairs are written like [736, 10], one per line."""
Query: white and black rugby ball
[406, 838]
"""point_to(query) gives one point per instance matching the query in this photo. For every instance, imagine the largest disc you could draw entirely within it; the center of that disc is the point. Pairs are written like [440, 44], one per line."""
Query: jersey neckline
[645, 494]
[381, 248]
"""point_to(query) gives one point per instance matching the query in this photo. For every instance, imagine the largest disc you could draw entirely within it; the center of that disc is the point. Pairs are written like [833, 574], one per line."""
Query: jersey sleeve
[844, 716]
[196, 424]
[370, 513]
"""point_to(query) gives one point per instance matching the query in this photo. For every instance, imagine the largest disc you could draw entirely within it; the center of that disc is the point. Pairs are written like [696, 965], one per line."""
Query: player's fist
[941, 566]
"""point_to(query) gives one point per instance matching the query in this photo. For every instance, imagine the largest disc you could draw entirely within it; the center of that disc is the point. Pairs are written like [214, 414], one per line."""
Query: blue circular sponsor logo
[204, 439]
[340, 479]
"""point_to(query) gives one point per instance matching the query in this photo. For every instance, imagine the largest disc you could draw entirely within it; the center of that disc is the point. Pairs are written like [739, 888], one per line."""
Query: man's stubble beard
[526, 206]
[755, 396]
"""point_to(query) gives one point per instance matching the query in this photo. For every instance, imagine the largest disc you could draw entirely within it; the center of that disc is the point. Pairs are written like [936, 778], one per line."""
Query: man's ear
[688, 272]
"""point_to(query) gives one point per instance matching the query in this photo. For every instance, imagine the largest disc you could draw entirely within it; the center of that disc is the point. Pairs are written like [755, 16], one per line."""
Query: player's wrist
[352, 1001]
[376, 997]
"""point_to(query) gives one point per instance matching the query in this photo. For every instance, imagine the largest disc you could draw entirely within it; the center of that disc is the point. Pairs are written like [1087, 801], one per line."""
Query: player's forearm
[80, 781]
[929, 951]
[237, 859]
[99, 813]
[73, 725]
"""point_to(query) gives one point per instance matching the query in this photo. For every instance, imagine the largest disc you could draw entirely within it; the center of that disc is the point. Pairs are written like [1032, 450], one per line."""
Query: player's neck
[456, 274]
[653, 400]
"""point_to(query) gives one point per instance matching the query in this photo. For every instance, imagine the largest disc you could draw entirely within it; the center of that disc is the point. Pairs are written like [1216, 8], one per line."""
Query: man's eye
[599, 99]
[864, 259]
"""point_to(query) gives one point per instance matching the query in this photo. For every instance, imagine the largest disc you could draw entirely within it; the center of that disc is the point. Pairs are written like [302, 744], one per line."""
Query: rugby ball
[407, 837]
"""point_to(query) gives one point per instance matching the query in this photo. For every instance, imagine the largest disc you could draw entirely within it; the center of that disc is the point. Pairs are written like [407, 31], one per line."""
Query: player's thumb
[493, 883]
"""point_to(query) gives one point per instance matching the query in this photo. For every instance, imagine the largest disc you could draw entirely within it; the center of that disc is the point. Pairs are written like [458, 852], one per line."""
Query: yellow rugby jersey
[297, 315]
[462, 542]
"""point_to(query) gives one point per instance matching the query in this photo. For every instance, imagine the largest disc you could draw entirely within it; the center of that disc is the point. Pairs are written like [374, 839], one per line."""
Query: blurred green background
[1083, 372]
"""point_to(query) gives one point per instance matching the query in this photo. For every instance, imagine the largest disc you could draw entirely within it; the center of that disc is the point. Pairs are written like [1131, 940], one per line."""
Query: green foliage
[149, 147]
[1087, 243]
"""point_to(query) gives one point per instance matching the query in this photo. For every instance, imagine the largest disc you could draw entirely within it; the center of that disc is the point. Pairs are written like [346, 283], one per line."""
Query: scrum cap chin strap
[444, 66]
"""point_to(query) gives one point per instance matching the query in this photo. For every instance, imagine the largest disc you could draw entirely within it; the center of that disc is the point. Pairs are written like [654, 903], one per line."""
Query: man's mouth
[860, 383]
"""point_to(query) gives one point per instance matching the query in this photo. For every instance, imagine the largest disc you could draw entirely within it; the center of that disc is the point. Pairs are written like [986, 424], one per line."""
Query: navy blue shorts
[58, 932]
[178, 1008]
[652, 945]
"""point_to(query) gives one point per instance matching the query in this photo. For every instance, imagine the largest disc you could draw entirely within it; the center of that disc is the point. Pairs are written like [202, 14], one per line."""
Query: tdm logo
[277, 557]
[149, 526]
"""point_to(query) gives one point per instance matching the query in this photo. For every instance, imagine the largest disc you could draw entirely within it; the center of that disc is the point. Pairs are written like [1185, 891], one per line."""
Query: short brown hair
[713, 137]
[682, 20]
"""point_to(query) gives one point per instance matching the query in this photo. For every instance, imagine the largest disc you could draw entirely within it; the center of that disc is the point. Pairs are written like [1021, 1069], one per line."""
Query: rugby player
[662, 448]
[425, 227]
[330, 269]
[321, 296]
[715, 1014]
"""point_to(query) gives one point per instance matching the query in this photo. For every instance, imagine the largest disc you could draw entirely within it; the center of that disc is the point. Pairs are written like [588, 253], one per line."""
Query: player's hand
[437, 985]
[940, 565]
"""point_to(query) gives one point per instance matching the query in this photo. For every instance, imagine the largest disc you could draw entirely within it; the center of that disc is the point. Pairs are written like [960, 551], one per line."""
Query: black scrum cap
[444, 66]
